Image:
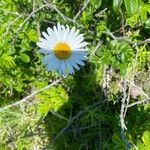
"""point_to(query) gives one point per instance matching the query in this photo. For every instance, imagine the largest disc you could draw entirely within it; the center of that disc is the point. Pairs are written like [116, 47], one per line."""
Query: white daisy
[64, 49]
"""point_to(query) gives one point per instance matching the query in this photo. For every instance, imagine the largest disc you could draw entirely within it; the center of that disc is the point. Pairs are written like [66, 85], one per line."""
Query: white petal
[52, 64]
[69, 67]
[75, 39]
[65, 33]
[79, 38]
[46, 36]
[43, 40]
[45, 51]
[81, 45]
[79, 55]
[60, 69]
[80, 62]
[73, 63]
[76, 32]
[57, 65]
[56, 33]
[60, 32]
[48, 59]
[71, 33]
[43, 45]
[50, 43]
[64, 67]
[52, 34]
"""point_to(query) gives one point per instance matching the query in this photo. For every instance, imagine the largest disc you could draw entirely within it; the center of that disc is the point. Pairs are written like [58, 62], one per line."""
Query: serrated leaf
[25, 57]
[131, 6]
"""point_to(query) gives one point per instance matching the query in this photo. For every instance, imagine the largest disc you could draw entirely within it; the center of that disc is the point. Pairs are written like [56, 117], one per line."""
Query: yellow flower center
[62, 50]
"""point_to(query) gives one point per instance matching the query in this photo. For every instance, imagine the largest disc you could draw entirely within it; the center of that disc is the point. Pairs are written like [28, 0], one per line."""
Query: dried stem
[122, 38]
[81, 10]
[70, 122]
[30, 96]
[139, 102]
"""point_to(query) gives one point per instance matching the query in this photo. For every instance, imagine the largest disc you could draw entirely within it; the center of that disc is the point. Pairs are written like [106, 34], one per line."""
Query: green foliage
[7, 61]
[82, 111]
[131, 6]
[116, 5]
[25, 57]
[145, 144]
[51, 99]
[117, 143]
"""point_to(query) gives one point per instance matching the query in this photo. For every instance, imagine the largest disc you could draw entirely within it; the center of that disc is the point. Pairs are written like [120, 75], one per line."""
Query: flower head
[64, 49]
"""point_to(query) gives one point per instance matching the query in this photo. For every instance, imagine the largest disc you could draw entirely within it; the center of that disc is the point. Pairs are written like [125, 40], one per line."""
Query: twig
[126, 39]
[97, 46]
[122, 118]
[139, 102]
[38, 9]
[95, 49]
[122, 38]
[61, 14]
[127, 102]
[81, 10]
[122, 21]
[30, 96]
[123, 126]
[10, 12]
[143, 42]
[67, 126]
[30, 15]
[9, 26]
[35, 11]
[74, 118]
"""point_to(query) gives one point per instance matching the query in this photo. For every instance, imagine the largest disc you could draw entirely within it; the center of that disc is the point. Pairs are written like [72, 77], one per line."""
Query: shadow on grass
[85, 122]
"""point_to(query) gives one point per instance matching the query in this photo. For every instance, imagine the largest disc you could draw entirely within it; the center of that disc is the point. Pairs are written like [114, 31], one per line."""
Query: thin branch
[81, 10]
[10, 12]
[70, 122]
[95, 49]
[127, 102]
[30, 96]
[9, 26]
[122, 123]
[122, 118]
[38, 9]
[119, 38]
[126, 39]
[143, 42]
[61, 14]
[30, 15]
[139, 102]
[122, 21]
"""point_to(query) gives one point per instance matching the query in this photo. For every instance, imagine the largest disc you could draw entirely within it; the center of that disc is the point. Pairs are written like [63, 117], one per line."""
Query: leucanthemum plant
[64, 49]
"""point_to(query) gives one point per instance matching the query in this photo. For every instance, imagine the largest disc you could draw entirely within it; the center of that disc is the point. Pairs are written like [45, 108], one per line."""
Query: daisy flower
[64, 49]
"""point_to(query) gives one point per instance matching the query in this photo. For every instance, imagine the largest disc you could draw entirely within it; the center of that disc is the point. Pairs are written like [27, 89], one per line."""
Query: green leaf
[131, 6]
[7, 60]
[116, 5]
[25, 57]
[144, 9]
[146, 139]
[32, 34]
[96, 3]
[140, 145]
